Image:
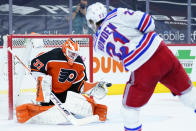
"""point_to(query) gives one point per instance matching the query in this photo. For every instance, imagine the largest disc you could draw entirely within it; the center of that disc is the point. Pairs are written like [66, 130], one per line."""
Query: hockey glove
[97, 90]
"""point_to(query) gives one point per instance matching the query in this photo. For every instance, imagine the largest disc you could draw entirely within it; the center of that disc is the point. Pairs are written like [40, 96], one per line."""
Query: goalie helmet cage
[46, 42]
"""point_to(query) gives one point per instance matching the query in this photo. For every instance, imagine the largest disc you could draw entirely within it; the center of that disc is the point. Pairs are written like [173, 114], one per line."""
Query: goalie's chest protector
[63, 75]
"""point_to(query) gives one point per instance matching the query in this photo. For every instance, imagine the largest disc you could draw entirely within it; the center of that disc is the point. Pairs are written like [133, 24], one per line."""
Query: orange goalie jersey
[64, 76]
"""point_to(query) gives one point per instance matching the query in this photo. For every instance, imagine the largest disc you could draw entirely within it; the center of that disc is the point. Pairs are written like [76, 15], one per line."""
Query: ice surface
[163, 113]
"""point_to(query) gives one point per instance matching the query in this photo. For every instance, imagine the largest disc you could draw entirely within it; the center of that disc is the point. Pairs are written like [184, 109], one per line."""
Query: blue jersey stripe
[143, 38]
[111, 12]
[141, 21]
[140, 43]
[148, 25]
[111, 17]
[143, 51]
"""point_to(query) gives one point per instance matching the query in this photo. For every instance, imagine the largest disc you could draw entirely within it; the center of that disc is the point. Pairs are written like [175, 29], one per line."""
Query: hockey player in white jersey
[128, 36]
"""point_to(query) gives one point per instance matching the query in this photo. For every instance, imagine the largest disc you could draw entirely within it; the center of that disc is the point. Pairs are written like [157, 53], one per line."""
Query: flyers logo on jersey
[65, 74]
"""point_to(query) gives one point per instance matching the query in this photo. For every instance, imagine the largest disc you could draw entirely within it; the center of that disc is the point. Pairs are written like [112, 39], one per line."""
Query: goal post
[29, 46]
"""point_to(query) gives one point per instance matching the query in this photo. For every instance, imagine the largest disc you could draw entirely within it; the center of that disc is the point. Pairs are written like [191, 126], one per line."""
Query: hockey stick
[67, 114]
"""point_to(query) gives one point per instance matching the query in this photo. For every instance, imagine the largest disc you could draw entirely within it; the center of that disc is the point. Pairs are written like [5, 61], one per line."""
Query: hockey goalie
[62, 72]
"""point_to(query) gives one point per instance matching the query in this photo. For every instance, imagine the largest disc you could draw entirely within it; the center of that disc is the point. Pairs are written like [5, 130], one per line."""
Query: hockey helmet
[70, 50]
[95, 13]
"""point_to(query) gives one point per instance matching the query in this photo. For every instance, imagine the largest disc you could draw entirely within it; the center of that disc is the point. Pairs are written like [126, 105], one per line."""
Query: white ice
[162, 113]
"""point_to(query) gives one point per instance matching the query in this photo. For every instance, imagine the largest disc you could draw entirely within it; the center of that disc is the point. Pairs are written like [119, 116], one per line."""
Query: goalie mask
[70, 50]
[95, 13]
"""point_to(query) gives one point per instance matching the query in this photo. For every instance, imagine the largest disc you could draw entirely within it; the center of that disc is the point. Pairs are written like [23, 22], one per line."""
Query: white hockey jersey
[128, 36]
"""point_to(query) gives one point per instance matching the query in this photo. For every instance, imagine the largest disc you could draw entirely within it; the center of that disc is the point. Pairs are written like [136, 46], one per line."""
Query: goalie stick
[67, 114]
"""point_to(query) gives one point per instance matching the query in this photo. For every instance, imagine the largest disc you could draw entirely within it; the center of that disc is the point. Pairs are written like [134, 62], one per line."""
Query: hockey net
[16, 82]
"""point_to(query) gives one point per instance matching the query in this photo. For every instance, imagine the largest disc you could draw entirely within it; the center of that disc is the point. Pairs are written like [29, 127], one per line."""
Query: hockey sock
[139, 128]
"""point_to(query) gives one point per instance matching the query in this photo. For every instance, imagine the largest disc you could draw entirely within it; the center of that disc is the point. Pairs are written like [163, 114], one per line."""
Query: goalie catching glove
[97, 90]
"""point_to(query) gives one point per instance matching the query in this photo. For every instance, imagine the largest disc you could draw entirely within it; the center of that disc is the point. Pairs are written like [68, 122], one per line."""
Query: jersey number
[110, 47]
[38, 64]
[128, 12]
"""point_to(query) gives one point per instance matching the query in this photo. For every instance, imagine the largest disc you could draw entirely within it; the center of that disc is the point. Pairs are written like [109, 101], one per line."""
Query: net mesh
[49, 42]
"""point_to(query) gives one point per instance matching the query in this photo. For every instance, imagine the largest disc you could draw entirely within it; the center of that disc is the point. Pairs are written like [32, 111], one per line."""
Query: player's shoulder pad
[46, 56]
[79, 59]
[54, 53]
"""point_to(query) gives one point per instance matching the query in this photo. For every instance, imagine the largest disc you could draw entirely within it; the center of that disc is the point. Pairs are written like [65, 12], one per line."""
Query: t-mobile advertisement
[171, 19]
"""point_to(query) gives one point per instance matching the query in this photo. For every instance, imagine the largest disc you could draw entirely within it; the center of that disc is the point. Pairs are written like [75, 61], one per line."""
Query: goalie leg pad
[78, 105]
[84, 106]
[98, 109]
[101, 111]
[27, 111]
[51, 116]
[35, 114]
